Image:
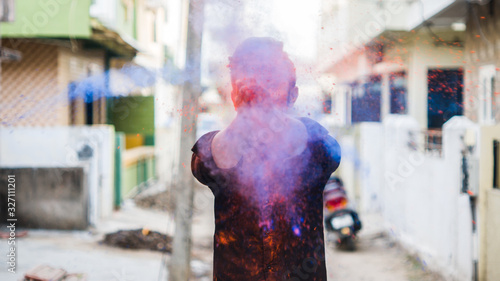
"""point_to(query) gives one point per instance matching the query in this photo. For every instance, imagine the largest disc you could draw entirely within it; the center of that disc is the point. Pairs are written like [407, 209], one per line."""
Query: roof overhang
[112, 40]
[455, 12]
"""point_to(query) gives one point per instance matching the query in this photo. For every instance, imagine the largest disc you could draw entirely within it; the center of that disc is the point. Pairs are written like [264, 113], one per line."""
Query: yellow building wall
[481, 45]
[493, 235]
[489, 209]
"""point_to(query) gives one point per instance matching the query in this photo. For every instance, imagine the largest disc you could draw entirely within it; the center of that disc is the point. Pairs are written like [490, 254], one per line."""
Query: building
[482, 105]
[381, 61]
[75, 70]
[400, 75]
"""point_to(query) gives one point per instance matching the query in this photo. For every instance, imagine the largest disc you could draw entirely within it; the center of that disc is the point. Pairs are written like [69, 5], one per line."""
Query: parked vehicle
[341, 221]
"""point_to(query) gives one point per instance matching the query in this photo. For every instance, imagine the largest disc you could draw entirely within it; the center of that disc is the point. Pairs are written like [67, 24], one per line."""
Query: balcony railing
[427, 141]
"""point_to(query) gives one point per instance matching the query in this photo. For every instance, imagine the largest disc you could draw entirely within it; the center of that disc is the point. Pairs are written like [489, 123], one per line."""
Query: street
[376, 257]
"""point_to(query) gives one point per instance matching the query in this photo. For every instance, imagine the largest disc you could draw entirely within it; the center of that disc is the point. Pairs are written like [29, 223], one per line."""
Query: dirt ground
[375, 259]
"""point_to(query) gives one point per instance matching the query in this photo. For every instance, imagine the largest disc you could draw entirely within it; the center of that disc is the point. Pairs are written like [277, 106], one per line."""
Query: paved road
[81, 252]
[377, 258]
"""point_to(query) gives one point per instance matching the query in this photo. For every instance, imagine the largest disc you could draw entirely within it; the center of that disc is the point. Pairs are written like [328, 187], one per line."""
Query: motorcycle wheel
[348, 244]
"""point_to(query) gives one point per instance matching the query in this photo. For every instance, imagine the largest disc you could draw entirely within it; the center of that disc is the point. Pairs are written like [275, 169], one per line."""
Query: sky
[227, 23]
[295, 22]
[299, 21]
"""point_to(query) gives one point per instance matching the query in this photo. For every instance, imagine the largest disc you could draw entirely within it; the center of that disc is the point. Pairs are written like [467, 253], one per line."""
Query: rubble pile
[139, 239]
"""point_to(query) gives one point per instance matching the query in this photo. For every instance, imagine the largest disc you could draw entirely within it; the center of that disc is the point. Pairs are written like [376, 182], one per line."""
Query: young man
[267, 171]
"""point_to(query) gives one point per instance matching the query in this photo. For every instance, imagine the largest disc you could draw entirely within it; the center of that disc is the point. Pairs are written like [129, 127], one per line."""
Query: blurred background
[101, 100]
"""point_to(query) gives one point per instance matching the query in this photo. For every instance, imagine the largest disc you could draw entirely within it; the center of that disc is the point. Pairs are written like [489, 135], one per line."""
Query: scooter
[340, 220]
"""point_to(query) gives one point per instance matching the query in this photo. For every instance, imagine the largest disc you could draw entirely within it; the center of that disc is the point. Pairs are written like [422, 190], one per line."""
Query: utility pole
[184, 189]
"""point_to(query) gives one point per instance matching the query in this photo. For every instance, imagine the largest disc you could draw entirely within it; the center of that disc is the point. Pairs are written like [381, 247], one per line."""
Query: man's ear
[293, 94]
[234, 92]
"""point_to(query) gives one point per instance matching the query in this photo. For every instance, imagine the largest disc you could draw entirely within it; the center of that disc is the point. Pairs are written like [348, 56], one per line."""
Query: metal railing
[427, 141]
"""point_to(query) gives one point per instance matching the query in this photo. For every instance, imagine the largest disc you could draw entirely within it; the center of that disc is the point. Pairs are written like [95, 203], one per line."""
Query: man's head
[261, 61]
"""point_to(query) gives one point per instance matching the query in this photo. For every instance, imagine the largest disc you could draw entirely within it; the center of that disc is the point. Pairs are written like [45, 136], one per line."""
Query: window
[73, 103]
[89, 107]
[154, 28]
[397, 84]
[127, 9]
[327, 103]
[486, 92]
[496, 166]
[444, 98]
[7, 11]
[366, 100]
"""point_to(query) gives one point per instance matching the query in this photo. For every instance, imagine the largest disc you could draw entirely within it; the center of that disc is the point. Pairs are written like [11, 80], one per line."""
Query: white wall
[423, 205]
[417, 192]
[58, 147]
[370, 177]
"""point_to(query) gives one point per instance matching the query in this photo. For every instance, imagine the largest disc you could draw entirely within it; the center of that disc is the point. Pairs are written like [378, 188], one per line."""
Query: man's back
[269, 215]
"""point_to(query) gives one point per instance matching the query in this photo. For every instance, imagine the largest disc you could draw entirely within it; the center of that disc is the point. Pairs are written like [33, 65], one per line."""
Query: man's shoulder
[202, 146]
[314, 129]
[318, 134]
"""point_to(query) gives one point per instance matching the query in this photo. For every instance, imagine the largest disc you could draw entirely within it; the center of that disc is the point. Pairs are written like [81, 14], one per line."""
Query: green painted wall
[126, 19]
[119, 168]
[132, 115]
[49, 18]
[130, 180]
[137, 174]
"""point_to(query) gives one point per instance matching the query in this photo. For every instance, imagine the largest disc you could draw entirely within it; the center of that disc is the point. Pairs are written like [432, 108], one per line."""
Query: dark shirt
[269, 218]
